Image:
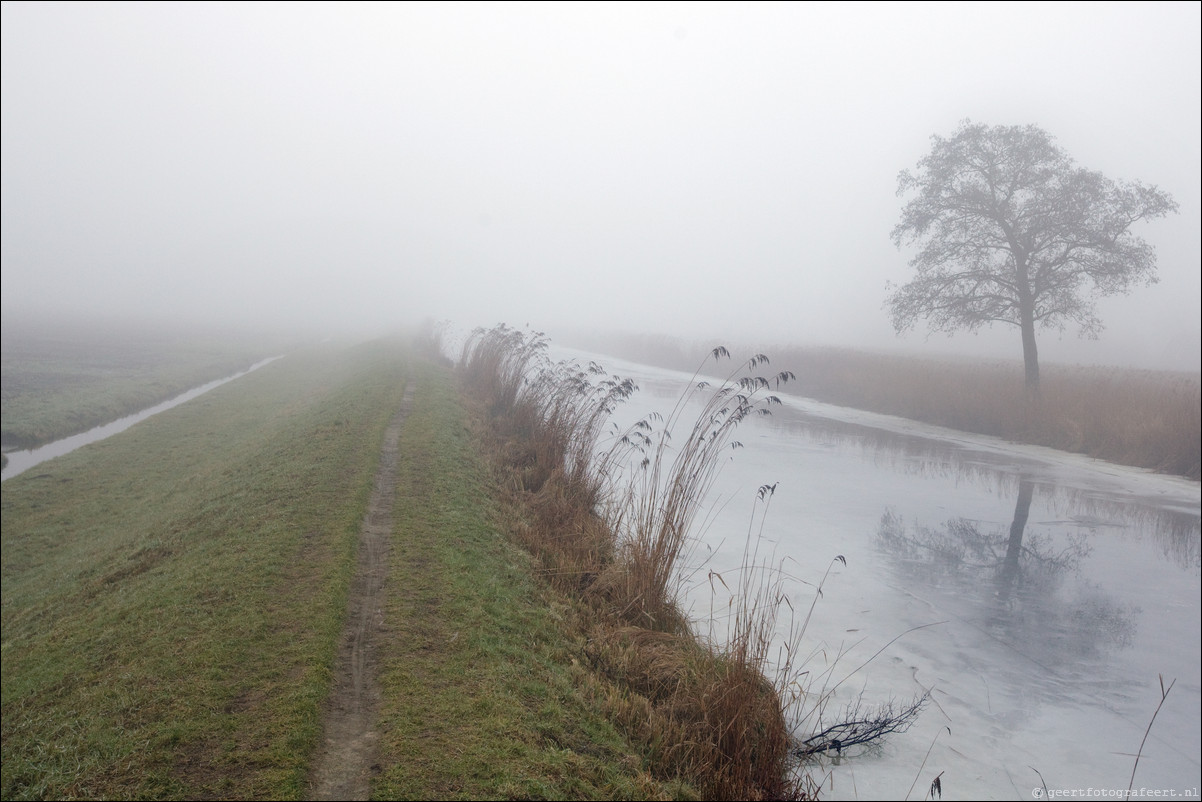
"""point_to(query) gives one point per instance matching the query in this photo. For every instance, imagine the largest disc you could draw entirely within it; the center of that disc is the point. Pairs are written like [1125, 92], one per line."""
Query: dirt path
[343, 766]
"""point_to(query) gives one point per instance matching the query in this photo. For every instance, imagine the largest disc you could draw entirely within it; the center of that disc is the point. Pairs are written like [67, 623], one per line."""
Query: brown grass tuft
[711, 717]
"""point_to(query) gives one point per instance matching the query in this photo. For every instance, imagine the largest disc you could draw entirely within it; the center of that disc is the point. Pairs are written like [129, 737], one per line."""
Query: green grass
[63, 379]
[172, 596]
[486, 692]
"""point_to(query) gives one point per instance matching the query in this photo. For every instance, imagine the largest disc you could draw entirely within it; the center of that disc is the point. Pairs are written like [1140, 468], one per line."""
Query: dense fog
[701, 170]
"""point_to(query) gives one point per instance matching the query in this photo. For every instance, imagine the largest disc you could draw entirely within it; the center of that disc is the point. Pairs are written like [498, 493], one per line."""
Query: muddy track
[345, 761]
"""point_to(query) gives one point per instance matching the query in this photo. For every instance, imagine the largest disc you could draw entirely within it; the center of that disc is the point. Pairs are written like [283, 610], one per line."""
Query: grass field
[173, 598]
[64, 378]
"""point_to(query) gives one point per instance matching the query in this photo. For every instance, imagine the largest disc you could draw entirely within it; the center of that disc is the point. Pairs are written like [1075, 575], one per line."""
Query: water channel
[1038, 596]
[21, 461]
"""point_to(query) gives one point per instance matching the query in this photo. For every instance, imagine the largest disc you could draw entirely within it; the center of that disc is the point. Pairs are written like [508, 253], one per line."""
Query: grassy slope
[484, 694]
[173, 596]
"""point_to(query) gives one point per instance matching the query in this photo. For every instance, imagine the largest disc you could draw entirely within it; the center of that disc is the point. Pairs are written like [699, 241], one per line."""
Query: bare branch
[860, 726]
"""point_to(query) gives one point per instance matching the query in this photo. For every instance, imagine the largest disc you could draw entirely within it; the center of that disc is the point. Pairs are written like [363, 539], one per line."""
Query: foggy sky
[711, 171]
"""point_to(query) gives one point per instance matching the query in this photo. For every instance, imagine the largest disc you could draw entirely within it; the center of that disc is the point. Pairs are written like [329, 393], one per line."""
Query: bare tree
[1010, 230]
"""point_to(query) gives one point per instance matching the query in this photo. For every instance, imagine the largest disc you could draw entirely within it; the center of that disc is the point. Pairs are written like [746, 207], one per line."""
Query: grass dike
[175, 597]
[172, 596]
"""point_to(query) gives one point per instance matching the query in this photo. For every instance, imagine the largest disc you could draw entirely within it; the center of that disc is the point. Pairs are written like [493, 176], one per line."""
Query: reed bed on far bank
[1144, 418]
[609, 526]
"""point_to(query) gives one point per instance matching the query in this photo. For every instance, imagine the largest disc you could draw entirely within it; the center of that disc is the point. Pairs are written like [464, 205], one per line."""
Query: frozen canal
[1041, 642]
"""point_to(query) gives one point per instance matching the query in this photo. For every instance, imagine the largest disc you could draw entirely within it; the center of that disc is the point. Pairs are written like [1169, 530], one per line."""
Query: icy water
[20, 461]
[1042, 642]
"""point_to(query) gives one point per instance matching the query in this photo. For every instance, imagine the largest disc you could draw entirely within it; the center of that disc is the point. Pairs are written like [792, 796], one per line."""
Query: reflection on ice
[1012, 584]
[1036, 595]
[1084, 501]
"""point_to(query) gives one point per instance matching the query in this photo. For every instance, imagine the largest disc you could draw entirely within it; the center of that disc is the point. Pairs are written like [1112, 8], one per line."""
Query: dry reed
[1132, 416]
[615, 537]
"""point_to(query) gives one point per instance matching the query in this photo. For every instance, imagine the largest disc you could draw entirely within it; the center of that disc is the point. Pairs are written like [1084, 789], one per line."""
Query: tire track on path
[345, 761]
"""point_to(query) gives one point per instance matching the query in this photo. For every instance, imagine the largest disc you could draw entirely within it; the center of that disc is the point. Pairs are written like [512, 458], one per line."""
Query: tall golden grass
[1145, 418]
[611, 524]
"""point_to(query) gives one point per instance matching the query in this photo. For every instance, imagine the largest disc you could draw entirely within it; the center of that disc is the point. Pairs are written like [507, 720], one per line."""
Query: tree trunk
[1030, 355]
[1026, 316]
[1022, 510]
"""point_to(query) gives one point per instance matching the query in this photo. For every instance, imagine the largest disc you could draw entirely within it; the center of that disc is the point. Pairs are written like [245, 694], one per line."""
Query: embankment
[174, 598]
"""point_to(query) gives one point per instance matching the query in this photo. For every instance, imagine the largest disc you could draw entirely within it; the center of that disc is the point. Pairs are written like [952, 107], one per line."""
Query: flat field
[62, 378]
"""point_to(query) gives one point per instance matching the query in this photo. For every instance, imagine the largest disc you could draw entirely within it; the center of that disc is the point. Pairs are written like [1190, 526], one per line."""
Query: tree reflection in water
[1015, 579]
[1173, 527]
